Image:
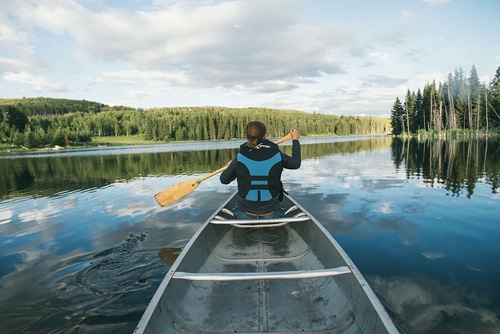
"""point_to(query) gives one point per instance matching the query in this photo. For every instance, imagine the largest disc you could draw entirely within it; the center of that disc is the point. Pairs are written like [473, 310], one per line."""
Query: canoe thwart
[262, 275]
[247, 223]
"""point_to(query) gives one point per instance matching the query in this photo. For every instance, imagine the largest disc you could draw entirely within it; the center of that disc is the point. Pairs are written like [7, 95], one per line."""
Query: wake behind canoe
[293, 277]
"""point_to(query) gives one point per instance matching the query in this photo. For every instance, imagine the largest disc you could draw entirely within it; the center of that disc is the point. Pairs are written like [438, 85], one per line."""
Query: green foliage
[11, 119]
[398, 117]
[59, 126]
[459, 103]
[41, 106]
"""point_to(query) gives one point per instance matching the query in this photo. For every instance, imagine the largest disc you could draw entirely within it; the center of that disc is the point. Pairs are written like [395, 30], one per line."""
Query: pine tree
[398, 117]
[419, 111]
[494, 99]
[474, 99]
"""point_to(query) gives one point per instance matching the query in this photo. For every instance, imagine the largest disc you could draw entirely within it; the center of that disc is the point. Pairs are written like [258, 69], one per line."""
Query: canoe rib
[262, 275]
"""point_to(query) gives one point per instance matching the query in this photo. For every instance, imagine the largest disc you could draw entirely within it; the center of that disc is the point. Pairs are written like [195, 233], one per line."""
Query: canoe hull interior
[279, 303]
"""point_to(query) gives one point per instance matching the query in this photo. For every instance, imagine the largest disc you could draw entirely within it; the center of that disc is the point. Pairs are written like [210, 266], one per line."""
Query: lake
[84, 245]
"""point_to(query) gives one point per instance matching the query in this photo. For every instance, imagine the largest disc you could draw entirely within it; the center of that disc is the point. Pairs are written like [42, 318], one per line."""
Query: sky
[325, 56]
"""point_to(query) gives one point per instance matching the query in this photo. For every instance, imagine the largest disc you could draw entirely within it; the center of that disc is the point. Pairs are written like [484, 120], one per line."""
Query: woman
[257, 168]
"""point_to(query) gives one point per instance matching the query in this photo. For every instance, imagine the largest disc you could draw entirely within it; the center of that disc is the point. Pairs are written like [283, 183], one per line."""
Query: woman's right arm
[229, 175]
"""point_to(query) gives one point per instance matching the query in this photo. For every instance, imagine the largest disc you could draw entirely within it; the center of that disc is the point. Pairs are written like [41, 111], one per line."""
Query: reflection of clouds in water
[40, 215]
[69, 203]
[384, 207]
[177, 222]
[424, 305]
[375, 185]
[473, 268]
[348, 171]
[433, 255]
[6, 216]
[132, 209]
[397, 223]
[141, 186]
[205, 197]
[407, 241]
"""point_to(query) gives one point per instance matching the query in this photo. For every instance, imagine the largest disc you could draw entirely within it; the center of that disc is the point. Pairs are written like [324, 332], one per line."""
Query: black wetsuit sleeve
[229, 174]
[294, 161]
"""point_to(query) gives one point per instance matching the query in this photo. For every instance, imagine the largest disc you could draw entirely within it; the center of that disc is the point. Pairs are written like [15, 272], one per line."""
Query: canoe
[284, 275]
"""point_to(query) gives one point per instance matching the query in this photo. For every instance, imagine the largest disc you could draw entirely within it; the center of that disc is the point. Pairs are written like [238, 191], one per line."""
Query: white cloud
[38, 82]
[132, 76]
[383, 81]
[382, 56]
[270, 53]
[428, 78]
[203, 40]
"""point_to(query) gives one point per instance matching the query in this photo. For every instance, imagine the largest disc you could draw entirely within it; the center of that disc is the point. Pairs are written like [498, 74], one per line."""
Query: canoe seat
[252, 223]
[247, 276]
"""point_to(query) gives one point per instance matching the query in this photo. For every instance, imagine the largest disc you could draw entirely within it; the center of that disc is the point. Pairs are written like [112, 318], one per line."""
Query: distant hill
[45, 106]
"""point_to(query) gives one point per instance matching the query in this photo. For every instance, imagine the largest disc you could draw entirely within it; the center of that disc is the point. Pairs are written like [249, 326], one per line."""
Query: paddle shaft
[186, 187]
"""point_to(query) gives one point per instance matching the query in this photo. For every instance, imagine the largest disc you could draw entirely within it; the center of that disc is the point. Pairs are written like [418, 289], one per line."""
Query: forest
[460, 106]
[45, 122]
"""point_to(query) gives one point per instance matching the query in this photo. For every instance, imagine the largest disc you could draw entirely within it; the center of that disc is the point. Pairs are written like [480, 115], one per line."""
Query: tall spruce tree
[398, 117]
[494, 102]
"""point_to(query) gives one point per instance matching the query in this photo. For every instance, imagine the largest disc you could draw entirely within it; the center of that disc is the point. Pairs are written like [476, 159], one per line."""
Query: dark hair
[256, 130]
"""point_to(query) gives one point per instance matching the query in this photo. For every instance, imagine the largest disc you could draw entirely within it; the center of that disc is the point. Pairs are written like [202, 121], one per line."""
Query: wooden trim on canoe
[262, 275]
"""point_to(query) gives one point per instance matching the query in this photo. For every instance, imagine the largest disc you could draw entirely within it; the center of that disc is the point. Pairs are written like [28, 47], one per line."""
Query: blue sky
[333, 57]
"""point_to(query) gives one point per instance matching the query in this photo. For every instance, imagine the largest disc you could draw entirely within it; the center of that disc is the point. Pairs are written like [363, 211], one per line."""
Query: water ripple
[122, 268]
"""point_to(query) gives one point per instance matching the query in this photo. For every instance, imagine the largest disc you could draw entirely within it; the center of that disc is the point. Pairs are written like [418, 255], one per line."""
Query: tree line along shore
[45, 122]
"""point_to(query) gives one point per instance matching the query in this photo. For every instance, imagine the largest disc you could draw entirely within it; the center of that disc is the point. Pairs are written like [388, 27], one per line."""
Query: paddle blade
[177, 191]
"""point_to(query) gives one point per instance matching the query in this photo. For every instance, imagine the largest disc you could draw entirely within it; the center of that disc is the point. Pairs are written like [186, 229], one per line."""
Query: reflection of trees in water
[455, 165]
[49, 175]
[426, 305]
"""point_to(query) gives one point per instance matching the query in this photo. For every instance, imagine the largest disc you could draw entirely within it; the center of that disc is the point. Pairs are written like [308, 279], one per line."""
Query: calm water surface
[84, 245]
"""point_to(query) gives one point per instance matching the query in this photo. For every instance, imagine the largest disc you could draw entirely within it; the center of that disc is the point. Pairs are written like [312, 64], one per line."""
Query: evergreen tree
[474, 99]
[397, 117]
[494, 99]
[410, 124]
[419, 111]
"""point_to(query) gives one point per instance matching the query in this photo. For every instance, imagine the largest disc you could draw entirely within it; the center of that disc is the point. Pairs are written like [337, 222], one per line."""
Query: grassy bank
[121, 140]
[96, 141]
[9, 148]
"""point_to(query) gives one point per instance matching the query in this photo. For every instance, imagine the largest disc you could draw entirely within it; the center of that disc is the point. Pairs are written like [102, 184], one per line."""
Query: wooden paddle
[186, 187]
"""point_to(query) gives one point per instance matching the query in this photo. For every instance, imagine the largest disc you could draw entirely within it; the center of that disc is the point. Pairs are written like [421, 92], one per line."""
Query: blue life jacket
[259, 180]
